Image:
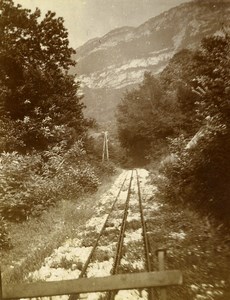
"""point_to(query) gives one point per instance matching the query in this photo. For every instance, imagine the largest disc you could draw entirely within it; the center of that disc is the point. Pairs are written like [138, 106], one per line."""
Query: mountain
[109, 65]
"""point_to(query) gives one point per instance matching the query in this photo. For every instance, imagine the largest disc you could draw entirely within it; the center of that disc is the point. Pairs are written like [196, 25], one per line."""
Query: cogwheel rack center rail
[111, 284]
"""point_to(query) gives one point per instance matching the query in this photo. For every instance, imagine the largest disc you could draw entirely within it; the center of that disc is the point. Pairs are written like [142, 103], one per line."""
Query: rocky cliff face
[110, 64]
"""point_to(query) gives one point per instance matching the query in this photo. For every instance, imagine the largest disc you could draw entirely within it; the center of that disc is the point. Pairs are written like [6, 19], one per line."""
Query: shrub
[11, 133]
[104, 169]
[4, 237]
[198, 174]
[29, 184]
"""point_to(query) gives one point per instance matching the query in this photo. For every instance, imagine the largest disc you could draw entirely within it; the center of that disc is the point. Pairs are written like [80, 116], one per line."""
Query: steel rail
[148, 264]
[83, 271]
[118, 256]
[144, 231]
[162, 278]
[122, 231]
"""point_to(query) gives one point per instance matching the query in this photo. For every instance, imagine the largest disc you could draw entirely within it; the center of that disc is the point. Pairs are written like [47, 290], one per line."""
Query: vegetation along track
[118, 244]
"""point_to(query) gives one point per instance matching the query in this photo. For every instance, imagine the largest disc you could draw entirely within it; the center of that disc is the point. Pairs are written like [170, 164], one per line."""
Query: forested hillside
[185, 112]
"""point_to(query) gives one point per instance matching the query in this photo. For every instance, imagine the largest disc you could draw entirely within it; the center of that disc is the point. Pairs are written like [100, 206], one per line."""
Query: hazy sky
[86, 19]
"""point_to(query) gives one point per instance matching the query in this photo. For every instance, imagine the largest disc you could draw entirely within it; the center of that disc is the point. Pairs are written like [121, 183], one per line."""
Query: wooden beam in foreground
[88, 285]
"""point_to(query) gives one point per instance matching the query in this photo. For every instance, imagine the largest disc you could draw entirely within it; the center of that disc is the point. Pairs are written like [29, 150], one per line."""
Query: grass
[128, 268]
[88, 240]
[101, 255]
[133, 225]
[36, 238]
[195, 247]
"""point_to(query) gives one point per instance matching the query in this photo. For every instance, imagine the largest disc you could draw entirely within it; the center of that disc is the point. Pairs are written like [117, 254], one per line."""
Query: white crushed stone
[137, 264]
[92, 296]
[143, 173]
[104, 199]
[131, 295]
[108, 248]
[133, 236]
[100, 269]
[72, 253]
[143, 177]
[123, 195]
[109, 195]
[154, 206]
[133, 216]
[207, 291]
[51, 271]
[76, 242]
[133, 202]
[116, 224]
[96, 222]
[54, 274]
[64, 297]
[178, 235]
[148, 191]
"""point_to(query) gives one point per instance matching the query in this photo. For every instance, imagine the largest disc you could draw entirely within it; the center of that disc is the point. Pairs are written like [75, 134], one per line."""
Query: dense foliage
[31, 183]
[187, 107]
[198, 170]
[145, 117]
[43, 133]
[38, 97]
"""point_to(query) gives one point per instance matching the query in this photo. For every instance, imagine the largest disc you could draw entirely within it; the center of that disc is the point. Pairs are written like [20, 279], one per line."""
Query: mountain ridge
[118, 60]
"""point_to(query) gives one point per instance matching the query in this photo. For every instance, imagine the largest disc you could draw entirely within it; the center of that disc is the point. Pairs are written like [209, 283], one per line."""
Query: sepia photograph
[115, 149]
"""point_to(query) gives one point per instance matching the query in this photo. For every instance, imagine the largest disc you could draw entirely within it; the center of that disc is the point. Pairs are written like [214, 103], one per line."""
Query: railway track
[113, 245]
[124, 229]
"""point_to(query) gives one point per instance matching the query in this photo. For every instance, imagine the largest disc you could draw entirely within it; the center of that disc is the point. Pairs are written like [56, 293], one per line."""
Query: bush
[105, 169]
[11, 133]
[29, 184]
[197, 173]
[4, 238]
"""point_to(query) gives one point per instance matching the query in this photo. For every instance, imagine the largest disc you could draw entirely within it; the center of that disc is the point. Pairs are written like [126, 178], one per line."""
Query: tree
[36, 90]
[177, 77]
[212, 64]
[145, 117]
[200, 171]
[178, 70]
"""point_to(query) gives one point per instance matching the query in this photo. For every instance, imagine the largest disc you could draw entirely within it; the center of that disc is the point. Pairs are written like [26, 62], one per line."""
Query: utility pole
[107, 145]
[105, 151]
